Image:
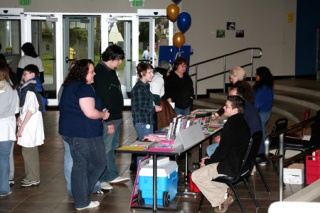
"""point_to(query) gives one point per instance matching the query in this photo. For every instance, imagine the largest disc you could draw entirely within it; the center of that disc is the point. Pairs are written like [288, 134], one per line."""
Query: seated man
[227, 158]
[251, 115]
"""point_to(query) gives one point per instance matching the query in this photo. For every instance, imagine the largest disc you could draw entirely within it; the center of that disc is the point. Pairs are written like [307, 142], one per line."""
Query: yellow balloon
[172, 12]
[178, 39]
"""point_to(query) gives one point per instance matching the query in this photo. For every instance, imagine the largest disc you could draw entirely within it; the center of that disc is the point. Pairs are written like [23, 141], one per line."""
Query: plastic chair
[279, 125]
[262, 176]
[244, 172]
[296, 143]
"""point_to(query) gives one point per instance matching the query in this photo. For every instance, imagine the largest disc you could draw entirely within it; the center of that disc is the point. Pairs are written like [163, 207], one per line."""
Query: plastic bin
[192, 186]
[167, 183]
[312, 168]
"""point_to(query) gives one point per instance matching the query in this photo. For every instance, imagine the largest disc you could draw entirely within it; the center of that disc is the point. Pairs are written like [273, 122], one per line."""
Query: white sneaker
[9, 193]
[106, 186]
[92, 204]
[120, 179]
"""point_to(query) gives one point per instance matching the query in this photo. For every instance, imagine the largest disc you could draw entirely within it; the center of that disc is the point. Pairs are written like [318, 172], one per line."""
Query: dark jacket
[180, 90]
[108, 88]
[235, 138]
[248, 91]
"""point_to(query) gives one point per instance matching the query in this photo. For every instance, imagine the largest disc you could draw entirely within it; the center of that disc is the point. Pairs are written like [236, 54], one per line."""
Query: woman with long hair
[263, 96]
[80, 125]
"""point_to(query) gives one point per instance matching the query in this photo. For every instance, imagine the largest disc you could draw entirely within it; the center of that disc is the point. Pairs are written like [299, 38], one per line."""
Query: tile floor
[51, 194]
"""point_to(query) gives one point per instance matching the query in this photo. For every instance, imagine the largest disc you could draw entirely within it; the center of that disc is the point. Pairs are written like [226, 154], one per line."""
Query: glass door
[81, 39]
[122, 29]
[43, 39]
[10, 40]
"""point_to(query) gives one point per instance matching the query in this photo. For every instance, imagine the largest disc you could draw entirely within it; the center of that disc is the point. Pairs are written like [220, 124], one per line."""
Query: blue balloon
[176, 1]
[184, 21]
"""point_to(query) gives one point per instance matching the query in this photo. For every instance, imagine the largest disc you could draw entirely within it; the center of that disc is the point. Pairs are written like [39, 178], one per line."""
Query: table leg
[186, 183]
[200, 152]
[154, 206]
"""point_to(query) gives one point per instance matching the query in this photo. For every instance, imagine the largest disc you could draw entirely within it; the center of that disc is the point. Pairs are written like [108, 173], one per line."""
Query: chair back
[279, 125]
[315, 131]
[251, 153]
[300, 135]
[306, 117]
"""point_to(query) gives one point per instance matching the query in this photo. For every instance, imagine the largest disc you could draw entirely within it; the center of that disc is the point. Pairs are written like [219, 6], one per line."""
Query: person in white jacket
[31, 131]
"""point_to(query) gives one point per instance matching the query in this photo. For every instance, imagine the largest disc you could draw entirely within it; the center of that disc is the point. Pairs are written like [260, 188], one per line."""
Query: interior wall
[265, 25]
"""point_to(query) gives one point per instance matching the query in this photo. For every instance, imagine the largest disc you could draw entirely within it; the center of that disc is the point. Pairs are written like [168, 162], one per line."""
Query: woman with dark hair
[8, 108]
[30, 57]
[263, 95]
[80, 125]
[179, 87]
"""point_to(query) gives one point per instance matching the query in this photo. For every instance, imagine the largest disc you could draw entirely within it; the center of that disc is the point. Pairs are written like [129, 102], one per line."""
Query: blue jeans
[5, 148]
[264, 119]
[11, 175]
[111, 143]
[142, 129]
[88, 164]
[185, 111]
[212, 148]
[68, 163]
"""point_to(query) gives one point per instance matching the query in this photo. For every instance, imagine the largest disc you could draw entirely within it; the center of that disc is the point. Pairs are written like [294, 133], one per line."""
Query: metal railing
[253, 51]
[280, 156]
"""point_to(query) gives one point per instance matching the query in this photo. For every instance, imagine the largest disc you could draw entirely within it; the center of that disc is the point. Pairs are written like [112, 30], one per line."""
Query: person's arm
[87, 106]
[23, 123]
[191, 88]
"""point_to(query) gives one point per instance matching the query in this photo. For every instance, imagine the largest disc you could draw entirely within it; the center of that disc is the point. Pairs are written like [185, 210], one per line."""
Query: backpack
[42, 100]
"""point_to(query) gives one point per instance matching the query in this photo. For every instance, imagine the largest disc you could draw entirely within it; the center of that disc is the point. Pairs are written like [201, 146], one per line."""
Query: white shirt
[157, 85]
[33, 133]
[26, 60]
[145, 55]
[8, 108]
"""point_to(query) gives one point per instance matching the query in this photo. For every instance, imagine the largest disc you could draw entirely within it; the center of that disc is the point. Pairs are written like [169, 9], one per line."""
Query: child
[31, 132]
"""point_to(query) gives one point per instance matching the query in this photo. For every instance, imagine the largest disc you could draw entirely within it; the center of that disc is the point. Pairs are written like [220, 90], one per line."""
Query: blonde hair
[238, 72]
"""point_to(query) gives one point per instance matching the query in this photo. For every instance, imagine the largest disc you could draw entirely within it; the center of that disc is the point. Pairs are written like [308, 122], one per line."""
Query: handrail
[224, 57]
[280, 155]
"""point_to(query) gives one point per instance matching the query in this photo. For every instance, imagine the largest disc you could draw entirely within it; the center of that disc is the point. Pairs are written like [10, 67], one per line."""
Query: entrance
[60, 38]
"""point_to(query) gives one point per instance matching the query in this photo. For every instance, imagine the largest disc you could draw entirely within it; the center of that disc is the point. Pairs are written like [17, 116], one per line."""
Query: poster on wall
[239, 33]
[231, 25]
[170, 53]
[221, 34]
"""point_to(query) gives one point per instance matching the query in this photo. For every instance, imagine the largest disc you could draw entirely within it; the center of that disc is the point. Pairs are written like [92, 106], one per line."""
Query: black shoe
[261, 159]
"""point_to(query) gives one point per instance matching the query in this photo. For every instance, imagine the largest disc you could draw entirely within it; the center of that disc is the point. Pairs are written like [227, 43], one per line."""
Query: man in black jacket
[108, 88]
[227, 158]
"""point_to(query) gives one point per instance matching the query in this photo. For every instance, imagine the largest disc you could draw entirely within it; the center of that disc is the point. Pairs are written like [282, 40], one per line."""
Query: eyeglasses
[26, 73]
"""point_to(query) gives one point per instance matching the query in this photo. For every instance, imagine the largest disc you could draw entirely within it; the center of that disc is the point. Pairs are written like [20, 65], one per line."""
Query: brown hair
[142, 68]
[4, 73]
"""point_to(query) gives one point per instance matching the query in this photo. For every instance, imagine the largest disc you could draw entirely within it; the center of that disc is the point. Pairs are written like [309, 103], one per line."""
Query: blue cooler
[167, 182]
